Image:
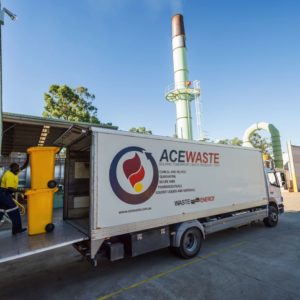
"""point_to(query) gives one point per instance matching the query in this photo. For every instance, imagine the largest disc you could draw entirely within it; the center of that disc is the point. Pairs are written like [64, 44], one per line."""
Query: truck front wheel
[272, 219]
[190, 243]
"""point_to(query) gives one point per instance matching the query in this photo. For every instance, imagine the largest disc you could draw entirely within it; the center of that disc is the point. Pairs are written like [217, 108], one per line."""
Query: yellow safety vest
[9, 180]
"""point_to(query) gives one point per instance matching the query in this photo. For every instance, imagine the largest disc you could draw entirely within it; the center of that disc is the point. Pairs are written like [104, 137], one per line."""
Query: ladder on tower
[198, 107]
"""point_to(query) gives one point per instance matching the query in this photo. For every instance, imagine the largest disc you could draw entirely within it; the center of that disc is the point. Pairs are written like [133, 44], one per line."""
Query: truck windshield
[272, 179]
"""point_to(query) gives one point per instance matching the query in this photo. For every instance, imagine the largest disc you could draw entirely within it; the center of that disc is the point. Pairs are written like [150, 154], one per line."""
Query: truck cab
[274, 191]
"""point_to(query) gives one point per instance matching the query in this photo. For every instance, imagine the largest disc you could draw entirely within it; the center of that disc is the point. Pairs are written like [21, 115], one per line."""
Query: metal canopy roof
[22, 131]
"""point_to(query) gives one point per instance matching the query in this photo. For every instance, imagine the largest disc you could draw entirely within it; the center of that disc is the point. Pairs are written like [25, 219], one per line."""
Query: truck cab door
[274, 189]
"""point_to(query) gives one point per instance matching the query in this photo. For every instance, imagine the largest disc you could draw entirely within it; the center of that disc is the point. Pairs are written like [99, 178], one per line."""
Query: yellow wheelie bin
[40, 210]
[42, 166]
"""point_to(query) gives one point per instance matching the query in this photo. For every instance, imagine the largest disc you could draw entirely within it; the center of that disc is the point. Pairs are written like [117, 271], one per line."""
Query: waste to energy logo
[133, 175]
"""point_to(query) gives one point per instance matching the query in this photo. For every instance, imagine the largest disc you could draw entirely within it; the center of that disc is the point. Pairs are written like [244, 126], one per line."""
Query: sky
[246, 55]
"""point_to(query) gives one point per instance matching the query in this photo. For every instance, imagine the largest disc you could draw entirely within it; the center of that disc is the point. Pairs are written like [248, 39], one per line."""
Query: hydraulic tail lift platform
[21, 245]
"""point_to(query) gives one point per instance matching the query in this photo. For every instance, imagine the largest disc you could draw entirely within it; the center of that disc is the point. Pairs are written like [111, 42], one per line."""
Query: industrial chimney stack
[183, 91]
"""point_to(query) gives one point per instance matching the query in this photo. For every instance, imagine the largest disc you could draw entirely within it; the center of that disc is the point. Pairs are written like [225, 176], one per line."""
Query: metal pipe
[1, 101]
[275, 139]
[13, 17]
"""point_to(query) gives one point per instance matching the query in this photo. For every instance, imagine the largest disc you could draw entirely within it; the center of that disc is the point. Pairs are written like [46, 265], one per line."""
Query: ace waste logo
[133, 175]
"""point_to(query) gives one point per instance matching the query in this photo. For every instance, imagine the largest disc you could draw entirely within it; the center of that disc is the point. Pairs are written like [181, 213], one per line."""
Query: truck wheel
[272, 219]
[190, 243]
[49, 227]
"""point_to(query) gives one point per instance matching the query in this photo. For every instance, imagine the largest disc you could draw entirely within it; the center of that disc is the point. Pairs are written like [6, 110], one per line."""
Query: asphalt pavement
[252, 262]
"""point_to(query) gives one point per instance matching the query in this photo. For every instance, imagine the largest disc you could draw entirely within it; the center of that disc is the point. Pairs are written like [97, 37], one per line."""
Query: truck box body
[126, 194]
[140, 182]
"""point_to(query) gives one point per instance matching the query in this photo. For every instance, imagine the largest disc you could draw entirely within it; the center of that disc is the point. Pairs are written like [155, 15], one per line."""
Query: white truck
[128, 194]
[143, 193]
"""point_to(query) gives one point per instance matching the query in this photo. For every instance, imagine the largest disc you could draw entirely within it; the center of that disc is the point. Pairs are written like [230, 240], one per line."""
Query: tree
[223, 142]
[235, 142]
[71, 104]
[142, 130]
[256, 140]
[260, 143]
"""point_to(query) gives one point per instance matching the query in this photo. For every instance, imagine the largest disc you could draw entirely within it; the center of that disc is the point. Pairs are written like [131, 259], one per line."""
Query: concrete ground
[252, 262]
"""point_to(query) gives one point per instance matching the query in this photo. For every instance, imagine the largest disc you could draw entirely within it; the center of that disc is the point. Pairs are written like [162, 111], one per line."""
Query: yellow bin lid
[36, 149]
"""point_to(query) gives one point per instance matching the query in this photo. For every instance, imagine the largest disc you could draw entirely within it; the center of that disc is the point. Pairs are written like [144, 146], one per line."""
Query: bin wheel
[52, 184]
[49, 227]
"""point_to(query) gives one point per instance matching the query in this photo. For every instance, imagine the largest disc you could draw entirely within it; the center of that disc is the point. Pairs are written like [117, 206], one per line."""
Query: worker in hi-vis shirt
[9, 185]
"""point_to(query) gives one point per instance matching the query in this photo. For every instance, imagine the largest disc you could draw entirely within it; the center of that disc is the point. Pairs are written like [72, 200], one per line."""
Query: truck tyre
[190, 243]
[49, 227]
[272, 219]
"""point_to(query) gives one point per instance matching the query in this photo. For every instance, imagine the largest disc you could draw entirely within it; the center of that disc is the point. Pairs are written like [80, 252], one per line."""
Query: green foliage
[206, 140]
[142, 130]
[63, 102]
[235, 142]
[260, 143]
[224, 142]
[256, 140]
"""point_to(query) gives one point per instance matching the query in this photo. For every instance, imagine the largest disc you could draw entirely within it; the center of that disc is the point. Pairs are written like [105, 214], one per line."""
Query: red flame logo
[134, 172]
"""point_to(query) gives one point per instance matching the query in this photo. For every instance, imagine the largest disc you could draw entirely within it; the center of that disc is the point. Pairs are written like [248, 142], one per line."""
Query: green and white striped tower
[183, 91]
